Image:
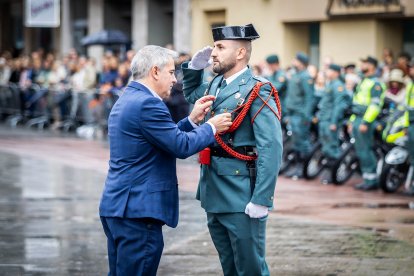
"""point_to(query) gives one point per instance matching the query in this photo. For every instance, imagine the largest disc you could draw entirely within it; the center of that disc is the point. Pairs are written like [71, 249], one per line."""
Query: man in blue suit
[141, 193]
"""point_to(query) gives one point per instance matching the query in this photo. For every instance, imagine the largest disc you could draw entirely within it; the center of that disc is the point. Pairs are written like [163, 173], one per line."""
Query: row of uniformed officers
[337, 104]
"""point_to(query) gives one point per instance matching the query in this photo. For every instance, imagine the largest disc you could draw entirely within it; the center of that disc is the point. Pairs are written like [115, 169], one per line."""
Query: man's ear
[241, 53]
[155, 72]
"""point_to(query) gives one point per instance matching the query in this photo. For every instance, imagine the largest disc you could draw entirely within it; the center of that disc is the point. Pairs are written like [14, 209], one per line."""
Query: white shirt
[232, 78]
[189, 119]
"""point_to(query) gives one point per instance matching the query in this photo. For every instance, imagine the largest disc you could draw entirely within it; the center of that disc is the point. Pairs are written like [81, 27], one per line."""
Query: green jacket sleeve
[193, 85]
[341, 103]
[307, 84]
[268, 136]
[374, 108]
[280, 83]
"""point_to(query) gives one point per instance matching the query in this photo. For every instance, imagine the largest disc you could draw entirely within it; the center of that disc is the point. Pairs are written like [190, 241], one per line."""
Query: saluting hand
[201, 59]
[201, 107]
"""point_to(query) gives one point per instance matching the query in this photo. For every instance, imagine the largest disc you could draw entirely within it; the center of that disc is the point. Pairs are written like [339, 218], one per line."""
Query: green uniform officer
[236, 210]
[366, 105]
[300, 103]
[278, 78]
[332, 106]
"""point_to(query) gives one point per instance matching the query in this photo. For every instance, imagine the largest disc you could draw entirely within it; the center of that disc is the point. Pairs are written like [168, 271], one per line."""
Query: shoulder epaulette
[261, 79]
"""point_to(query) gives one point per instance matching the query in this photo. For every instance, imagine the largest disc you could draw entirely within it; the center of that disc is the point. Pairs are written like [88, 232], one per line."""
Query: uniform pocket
[227, 166]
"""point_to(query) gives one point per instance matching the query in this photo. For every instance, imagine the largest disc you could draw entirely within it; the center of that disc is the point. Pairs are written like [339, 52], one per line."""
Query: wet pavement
[50, 187]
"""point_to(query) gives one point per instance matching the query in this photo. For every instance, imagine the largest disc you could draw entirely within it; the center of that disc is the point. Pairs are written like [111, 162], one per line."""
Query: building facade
[159, 22]
[345, 30]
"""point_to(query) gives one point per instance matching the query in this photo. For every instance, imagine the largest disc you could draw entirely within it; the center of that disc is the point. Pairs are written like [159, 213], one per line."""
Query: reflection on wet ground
[49, 193]
[48, 218]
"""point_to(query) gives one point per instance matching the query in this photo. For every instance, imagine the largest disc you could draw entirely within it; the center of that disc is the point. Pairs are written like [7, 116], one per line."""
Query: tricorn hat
[247, 32]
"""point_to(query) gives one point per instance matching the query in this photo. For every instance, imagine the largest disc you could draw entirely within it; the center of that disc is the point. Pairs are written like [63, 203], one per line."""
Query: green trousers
[240, 242]
[300, 133]
[329, 140]
[364, 143]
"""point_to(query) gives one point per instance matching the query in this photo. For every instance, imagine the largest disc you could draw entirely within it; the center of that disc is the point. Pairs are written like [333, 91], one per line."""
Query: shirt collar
[149, 89]
[234, 76]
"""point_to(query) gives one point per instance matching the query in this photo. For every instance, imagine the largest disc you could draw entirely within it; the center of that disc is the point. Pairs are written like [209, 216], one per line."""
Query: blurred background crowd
[71, 94]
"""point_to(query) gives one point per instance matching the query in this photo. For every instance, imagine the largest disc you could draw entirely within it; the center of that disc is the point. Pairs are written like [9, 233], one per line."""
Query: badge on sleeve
[377, 87]
[340, 89]
[281, 79]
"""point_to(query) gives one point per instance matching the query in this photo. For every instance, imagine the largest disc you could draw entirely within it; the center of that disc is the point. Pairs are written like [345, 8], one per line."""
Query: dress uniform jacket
[224, 186]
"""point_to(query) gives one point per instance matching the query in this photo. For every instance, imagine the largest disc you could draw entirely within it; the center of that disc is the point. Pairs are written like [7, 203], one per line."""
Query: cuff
[194, 125]
[190, 66]
[212, 127]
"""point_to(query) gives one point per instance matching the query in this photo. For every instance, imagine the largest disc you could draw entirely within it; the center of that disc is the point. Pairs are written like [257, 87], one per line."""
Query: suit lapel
[234, 87]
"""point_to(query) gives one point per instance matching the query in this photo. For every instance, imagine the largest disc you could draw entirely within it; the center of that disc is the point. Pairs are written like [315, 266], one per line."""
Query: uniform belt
[220, 152]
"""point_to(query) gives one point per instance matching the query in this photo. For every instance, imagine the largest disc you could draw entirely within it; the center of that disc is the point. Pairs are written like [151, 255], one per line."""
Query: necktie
[223, 84]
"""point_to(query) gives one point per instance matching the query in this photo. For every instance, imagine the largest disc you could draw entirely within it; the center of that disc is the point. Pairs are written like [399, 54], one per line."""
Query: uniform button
[271, 197]
[149, 226]
[212, 113]
[237, 171]
[225, 110]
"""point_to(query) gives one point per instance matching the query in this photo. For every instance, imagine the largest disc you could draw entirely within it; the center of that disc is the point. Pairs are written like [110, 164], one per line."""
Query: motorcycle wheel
[392, 178]
[314, 164]
[345, 167]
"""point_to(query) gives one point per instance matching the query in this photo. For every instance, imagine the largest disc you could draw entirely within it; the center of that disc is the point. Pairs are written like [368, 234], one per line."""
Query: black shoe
[367, 187]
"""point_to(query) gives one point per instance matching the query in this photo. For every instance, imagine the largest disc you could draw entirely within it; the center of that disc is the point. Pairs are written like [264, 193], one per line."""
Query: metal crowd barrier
[39, 107]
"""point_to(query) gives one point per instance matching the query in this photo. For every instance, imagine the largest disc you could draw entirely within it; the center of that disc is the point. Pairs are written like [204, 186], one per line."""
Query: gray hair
[148, 57]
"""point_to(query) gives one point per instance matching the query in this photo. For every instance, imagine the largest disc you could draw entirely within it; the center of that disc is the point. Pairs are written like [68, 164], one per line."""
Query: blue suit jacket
[144, 144]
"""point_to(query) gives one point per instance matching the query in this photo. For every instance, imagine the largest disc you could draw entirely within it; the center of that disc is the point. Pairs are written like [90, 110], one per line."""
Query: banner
[42, 13]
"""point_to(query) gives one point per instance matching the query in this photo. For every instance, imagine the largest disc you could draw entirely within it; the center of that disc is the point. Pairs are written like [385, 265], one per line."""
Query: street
[50, 186]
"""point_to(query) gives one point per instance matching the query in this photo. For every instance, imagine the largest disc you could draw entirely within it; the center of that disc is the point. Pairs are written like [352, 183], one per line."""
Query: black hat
[272, 59]
[335, 67]
[247, 32]
[302, 57]
[371, 60]
[350, 66]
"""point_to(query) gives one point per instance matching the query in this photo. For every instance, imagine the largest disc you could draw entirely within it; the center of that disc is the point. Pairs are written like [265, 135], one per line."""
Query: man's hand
[201, 108]
[201, 59]
[363, 128]
[221, 122]
[332, 127]
[256, 211]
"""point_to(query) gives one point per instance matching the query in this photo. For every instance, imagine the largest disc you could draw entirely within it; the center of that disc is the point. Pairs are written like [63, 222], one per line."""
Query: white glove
[256, 211]
[201, 59]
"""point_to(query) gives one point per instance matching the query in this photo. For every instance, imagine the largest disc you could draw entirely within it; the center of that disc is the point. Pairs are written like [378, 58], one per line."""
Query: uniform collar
[234, 76]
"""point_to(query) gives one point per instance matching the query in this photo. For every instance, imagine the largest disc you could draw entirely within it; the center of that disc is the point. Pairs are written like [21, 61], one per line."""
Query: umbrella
[105, 37]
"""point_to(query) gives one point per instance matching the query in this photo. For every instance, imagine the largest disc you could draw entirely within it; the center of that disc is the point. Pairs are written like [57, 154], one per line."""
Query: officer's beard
[222, 68]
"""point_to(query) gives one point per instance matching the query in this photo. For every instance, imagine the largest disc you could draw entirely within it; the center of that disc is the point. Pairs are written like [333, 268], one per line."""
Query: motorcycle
[397, 169]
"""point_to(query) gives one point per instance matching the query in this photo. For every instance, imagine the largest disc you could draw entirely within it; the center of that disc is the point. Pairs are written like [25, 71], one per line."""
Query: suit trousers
[240, 242]
[134, 245]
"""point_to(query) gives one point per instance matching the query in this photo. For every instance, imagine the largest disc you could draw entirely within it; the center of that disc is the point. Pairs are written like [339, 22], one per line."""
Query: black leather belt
[220, 152]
